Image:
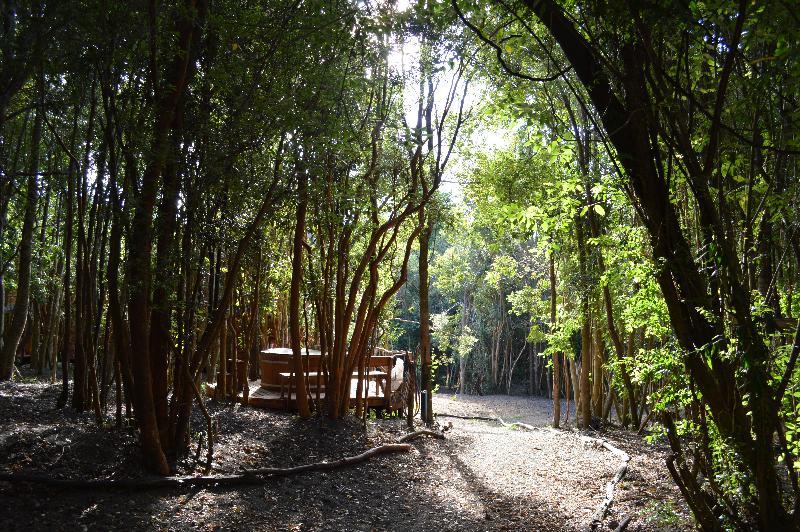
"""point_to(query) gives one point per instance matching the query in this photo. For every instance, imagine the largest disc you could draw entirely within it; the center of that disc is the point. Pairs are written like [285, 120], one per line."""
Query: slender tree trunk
[165, 287]
[222, 382]
[82, 316]
[462, 371]
[425, 315]
[576, 387]
[556, 356]
[141, 239]
[67, 340]
[597, 375]
[119, 327]
[252, 335]
[20, 314]
[294, 297]
[532, 372]
[3, 217]
[586, 334]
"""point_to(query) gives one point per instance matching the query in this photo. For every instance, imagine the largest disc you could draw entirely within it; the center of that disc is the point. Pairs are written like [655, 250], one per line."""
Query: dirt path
[483, 477]
[556, 471]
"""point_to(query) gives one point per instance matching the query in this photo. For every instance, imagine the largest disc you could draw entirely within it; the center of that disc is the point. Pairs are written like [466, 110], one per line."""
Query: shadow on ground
[429, 488]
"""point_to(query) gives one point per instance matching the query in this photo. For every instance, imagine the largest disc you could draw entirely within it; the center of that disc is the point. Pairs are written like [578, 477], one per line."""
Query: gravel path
[482, 477]
[535, 411]
[555, 470]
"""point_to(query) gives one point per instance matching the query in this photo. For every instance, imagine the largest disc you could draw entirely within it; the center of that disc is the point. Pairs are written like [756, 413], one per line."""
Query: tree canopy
[597, 202]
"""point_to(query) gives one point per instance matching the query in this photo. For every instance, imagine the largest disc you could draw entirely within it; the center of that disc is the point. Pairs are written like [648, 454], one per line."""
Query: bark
[419, 433]
[222, 382]
[119, 327]
[425, 315]
[216, 325]
[66, 349]
[556, 356]
[462, 368]
[294, 297]
[3, 217]
[533, 384]
[572, 377]
[608, 304]
[364, 317]
[584, 411]
[619, 351]
[80, 383]
[411, 382]
[602, 509]
[597, 375]
[160, 342]
[20, 314]
[252, 336]
[141, 239]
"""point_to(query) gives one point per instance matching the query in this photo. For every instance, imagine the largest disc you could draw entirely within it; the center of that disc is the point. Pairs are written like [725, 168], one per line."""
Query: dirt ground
[482, 477]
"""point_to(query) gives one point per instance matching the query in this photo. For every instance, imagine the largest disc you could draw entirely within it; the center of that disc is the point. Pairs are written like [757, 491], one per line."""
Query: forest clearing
[483, 476]
[400, 264]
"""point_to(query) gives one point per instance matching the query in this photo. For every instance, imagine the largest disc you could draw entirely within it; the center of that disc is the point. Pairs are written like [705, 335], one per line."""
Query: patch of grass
[662, 513]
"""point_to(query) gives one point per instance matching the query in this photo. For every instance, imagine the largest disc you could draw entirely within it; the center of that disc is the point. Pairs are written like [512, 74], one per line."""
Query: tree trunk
[462, 371]
[425, 315]
[597, 375]
[20, 314]
[585, 410]
[141, 238]
[80, 383]
[576, 386]
[556, 356]
[685, 289]
[165, 286]
[294, 296]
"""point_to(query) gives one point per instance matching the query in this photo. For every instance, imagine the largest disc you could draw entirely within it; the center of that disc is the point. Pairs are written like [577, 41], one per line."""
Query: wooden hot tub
[277, 360]
[277, 378]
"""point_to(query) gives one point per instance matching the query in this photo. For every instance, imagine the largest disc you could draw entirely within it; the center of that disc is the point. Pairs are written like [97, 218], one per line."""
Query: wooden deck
[261, 397]
[275, 389]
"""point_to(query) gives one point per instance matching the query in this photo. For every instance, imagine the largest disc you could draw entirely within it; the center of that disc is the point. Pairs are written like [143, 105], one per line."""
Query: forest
[400, 265]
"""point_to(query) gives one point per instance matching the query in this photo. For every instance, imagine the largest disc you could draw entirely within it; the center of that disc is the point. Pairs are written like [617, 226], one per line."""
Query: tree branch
[499, 51]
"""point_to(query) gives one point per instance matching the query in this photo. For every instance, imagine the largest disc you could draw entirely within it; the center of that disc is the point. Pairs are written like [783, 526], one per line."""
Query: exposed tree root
[475, 418]
[419, 433]
[602, 509]
[252, 476]
[623, 525]
[523, 426]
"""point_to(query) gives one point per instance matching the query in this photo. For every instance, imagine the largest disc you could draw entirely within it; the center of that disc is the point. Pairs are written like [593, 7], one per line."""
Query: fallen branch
[471, 418]
[602, 509]
[645, 421]
[623, 525]
[523, 426]
[252, 476]
[419, 433]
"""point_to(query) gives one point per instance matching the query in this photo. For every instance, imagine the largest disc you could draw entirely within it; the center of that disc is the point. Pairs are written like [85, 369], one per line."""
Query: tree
[659, 91]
